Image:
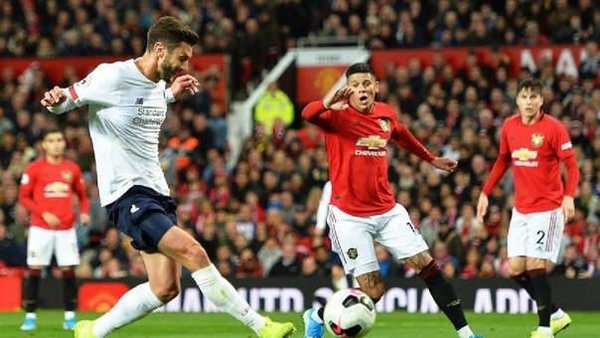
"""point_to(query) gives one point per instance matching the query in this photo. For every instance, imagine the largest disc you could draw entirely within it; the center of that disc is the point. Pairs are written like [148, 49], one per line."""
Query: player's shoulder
[551, 120]
[382, 108]
[110, 72]
[71, 165]
[35, 165]
[513, 119]
[115, 65]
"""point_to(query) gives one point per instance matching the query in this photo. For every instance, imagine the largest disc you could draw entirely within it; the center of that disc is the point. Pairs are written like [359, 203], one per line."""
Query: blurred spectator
[289, 265]
[310, 268]
[249, 266]
[572, 264]
[451, 239]
[272, 106]
[269, 254]
[472, 263]
[11, 253]
[387, 264]
[442, 257]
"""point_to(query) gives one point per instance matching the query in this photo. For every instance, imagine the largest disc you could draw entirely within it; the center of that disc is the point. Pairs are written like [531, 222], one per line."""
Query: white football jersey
[126, 113]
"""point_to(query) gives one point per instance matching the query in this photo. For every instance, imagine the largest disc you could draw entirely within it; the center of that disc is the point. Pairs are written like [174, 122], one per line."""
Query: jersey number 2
[540, 240]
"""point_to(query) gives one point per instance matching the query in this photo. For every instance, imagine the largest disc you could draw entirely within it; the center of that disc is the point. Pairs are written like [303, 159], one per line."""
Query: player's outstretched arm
[444, 163]
[57, 101]
[482, 205]
[405, 139]
[100, 87]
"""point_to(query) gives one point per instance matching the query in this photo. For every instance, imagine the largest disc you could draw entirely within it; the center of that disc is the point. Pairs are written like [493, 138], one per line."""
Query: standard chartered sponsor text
[149, 117]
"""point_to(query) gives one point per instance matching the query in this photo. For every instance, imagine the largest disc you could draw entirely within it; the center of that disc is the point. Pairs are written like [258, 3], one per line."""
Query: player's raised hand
[339, 99]
[568, 207]
[482, 205]
[53, 97]
[184, 84]
[444, 163]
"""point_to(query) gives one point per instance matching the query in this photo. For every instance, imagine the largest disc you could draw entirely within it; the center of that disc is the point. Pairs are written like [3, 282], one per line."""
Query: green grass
[396, 325]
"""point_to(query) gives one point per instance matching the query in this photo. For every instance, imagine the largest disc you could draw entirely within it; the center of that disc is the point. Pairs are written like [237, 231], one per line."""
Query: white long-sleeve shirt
[323, 207]
[126, 113]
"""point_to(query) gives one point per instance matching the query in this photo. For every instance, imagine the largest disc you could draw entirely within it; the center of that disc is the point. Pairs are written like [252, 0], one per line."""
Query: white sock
[69, 315]
[219, 291]
[465, 332]
[133, 305]
[30, 315]
[557, 314]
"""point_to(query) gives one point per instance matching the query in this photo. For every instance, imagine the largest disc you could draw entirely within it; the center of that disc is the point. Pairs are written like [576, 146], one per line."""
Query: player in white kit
[127, 103]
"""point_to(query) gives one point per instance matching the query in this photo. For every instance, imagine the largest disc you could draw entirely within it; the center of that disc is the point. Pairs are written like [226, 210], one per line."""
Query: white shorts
[43, 243]
[535, 234]
[352, 238]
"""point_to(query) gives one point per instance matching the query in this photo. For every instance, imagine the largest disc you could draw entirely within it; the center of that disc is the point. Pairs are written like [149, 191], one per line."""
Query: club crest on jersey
[537, 140]
[84, 83]
[352, 253]
[67, 175]
[385, 125]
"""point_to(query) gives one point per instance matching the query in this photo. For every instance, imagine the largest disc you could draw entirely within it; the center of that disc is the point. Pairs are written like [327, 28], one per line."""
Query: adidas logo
[134, 209]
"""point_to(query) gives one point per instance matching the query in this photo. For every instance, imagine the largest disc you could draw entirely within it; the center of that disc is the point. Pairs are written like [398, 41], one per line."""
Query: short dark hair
[361, 67]
[172, 32]
[532, 83]
[47, 131]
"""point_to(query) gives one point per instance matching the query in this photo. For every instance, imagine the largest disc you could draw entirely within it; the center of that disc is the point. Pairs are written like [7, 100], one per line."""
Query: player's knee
[166, 293]
[196, 254]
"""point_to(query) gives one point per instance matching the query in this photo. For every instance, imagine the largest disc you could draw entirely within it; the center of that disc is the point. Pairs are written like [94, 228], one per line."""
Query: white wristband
[169, 96]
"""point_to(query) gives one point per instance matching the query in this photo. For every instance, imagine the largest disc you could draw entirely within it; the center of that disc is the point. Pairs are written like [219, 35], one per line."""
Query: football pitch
[389, 325]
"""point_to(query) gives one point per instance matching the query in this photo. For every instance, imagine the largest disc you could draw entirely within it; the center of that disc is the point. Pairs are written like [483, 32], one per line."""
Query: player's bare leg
[372, 284]
[442, 292]
[182, 247]
[164, 276]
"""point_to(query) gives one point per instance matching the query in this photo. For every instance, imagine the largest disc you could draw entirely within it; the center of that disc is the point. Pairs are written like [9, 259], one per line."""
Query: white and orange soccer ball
[349, 313]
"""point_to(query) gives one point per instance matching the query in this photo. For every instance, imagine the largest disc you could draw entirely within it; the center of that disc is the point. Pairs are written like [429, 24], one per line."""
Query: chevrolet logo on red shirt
[524, 154]
[372, 142]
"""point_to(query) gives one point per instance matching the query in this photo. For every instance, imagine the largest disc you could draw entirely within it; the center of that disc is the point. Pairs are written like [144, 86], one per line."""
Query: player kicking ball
[127, 103]
[533, 144]
[357, 131]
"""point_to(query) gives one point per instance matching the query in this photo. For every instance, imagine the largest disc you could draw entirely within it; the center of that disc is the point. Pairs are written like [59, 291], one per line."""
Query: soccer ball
[349, 313]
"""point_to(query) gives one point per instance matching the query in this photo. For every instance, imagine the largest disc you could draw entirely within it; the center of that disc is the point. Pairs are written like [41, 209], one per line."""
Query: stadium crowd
[256, 218]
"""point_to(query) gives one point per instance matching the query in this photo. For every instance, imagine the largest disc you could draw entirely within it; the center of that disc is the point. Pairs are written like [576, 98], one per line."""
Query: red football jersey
[534, 151]
[47, 187]
[357, 151]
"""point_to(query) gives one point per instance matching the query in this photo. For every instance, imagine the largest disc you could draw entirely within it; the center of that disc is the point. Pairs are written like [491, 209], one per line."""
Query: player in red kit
[47, 189]
[357, 130]
[533, 144]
